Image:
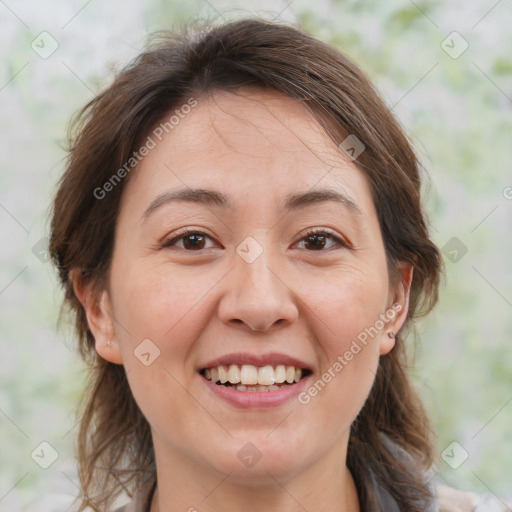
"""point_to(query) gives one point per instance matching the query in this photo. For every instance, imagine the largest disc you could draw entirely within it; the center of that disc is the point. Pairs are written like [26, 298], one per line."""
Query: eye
[192, 240]
[318, 240]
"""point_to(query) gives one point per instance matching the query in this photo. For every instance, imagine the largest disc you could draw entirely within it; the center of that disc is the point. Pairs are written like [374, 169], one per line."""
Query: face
[271, 266]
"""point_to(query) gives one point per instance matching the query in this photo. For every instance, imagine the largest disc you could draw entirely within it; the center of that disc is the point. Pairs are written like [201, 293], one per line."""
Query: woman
[240, 237]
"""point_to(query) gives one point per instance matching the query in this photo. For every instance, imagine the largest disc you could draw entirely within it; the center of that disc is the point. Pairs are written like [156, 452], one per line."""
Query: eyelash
[311, 232]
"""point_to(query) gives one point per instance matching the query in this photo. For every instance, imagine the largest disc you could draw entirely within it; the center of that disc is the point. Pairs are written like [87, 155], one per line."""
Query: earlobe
[387, 343]
[100, 319]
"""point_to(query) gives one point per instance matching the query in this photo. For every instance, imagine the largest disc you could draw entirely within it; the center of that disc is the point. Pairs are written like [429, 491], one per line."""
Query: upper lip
[241, 358]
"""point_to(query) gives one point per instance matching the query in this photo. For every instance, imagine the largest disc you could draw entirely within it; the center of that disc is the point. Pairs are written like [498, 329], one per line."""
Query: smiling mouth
[255, 378]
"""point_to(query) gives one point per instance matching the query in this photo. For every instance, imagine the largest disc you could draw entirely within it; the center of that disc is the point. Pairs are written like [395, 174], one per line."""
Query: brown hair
[115, 449]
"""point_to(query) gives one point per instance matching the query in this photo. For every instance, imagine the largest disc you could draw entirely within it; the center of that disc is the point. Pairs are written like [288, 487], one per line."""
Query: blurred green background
[445, 68]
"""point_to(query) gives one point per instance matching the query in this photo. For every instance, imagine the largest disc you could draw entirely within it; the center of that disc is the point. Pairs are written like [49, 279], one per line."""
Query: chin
[257, 458]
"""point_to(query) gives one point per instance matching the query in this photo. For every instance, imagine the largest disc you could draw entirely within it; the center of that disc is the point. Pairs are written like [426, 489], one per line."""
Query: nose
[257, 296]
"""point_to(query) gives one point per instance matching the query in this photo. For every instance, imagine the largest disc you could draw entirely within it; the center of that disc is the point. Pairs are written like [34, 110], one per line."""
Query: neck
[326, 486]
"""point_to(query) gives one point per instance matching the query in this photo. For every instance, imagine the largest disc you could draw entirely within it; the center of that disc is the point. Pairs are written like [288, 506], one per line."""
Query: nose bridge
[261, 274]
[257, 295]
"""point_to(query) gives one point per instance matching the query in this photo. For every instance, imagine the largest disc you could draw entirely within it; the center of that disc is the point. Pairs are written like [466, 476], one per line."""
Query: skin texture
[198, 304]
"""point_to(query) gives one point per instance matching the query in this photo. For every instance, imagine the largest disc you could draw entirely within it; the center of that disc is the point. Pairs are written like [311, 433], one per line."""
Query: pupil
[195, 245]
[317, 237]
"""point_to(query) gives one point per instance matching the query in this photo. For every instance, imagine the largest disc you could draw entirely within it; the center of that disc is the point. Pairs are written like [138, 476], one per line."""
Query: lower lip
[256, 399]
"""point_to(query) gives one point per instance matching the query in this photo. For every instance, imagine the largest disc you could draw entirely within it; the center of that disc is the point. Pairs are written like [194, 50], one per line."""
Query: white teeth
[280, 373]
[254, 378]
[249, 374]
[266, 375]
[223, 374]
[234, 374]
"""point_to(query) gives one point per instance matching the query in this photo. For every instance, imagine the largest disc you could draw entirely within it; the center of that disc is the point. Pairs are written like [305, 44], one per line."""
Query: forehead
[256, 124]
[247, 142]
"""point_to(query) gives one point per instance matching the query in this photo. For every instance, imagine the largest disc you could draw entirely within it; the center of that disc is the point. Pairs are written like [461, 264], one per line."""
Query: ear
[100, 319]
[397, 309]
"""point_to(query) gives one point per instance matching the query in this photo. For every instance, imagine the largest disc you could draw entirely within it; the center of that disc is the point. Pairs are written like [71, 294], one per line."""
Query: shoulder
[447, 499]
[454, 500]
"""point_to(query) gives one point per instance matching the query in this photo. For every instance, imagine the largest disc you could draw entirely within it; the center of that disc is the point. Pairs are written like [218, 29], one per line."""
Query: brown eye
[191, 241]
[318, 240]
[315, 242]
[195, 241]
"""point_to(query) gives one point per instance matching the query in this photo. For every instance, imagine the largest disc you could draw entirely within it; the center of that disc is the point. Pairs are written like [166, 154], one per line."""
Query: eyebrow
[215, 198]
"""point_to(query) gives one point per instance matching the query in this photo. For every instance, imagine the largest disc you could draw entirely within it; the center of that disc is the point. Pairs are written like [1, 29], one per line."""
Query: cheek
[346, 313]
[346, 304]
[170, 309]
[336, 395]
[161, 304]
